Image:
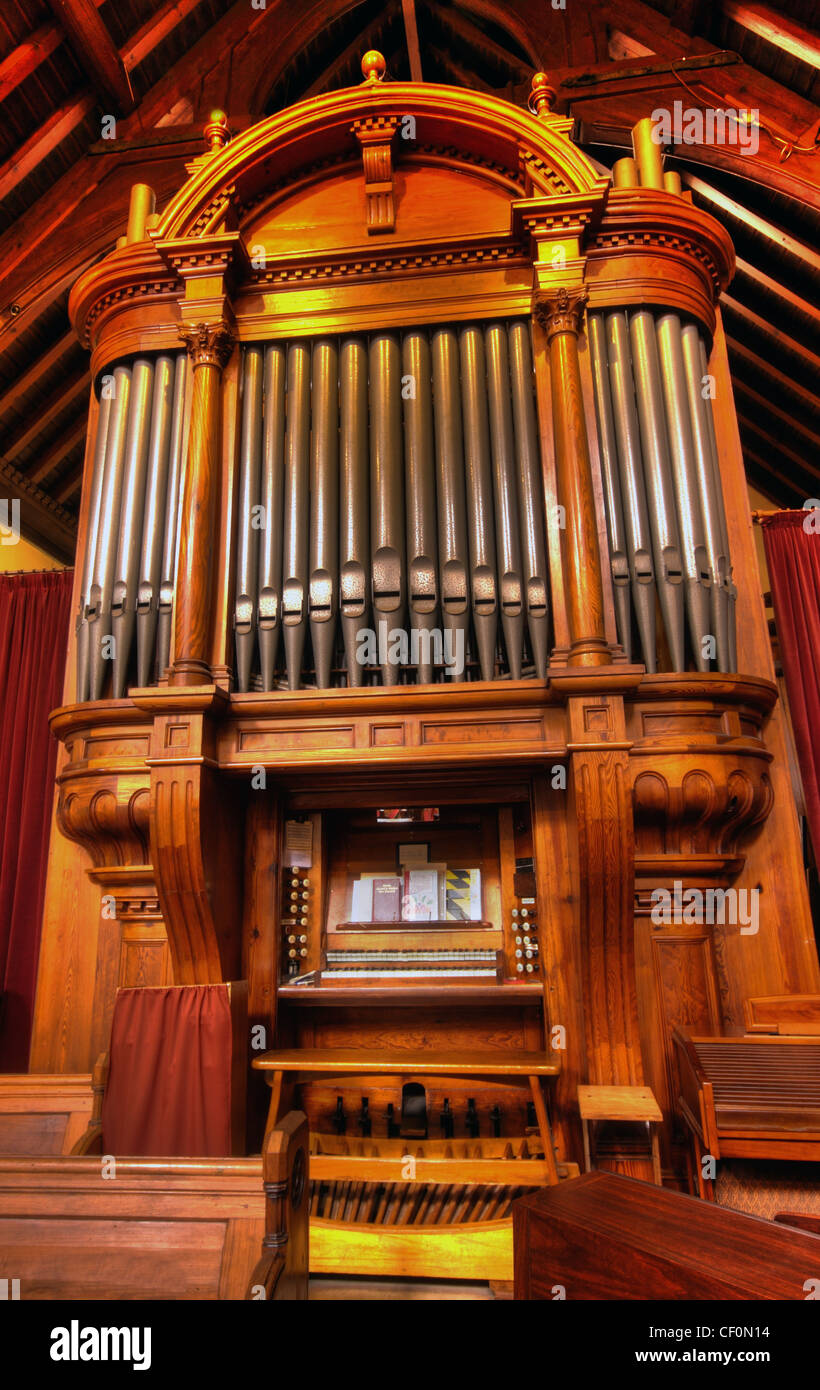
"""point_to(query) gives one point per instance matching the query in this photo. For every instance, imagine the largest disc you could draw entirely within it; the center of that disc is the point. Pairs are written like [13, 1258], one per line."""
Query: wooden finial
[216, 131]
[542, 94]
[373, 65]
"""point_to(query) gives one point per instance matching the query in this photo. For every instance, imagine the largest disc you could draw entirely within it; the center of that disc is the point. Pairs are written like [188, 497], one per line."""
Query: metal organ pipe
[156, 490]
[387, 496]
[177, 449]
[633, 494]
[618, 545]
[710, 499]
[324, 505]
[507, 531]
[669, 479]
[731, 588]
[478, 471]
[99, 608]
[250, 457]
[295, 563]
[685, 483]
[452, 524]
[124, 591]
[530, 495]
[422, 572]
[660, 493]
[92, 535]
[354, 516]
[356, 448]
[272, 486]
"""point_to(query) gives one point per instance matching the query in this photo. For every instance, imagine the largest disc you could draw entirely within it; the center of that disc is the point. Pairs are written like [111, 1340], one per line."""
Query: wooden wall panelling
[782, 958]
[601, 806]
[558, 892]
[262, 930]
[63, 1025]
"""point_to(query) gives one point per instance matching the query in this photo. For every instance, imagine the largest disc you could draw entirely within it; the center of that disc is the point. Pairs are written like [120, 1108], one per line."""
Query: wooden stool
[626, 1103]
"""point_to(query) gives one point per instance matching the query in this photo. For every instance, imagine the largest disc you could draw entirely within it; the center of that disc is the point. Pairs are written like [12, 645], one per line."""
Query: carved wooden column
[560, 314]
[210, 266]
[209, 346]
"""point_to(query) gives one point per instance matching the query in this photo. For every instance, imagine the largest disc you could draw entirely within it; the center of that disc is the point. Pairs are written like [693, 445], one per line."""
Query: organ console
[439, 504]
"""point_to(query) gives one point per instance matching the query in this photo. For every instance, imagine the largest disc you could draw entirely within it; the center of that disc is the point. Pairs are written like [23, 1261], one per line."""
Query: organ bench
[756, 1097]
[524, 1069]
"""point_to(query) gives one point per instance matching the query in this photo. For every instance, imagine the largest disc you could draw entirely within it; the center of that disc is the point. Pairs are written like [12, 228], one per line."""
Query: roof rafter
[95, 51]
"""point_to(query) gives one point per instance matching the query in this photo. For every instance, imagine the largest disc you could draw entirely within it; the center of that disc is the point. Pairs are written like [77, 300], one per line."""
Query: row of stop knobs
[295, 919]
[525, 928]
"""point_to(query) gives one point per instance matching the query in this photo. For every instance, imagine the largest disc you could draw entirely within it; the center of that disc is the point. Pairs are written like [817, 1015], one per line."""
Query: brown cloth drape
[793, 558]
[169, 1084]
[34, 622]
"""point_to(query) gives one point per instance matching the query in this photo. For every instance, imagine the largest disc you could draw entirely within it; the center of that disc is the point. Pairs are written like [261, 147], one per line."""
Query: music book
[387, 893]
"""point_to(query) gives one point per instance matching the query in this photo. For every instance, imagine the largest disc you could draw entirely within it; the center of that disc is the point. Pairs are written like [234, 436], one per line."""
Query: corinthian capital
[208, 343]
[561, 311]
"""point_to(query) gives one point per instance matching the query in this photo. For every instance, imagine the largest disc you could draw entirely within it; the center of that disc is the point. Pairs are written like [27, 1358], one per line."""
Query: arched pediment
[481, 136]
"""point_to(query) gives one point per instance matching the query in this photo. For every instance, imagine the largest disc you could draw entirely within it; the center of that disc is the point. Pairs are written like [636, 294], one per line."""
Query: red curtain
[793, 558]
[169, 1083]
[34, 618]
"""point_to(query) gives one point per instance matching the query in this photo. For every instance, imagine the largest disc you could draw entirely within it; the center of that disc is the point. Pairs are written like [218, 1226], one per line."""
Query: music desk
[603, 1236]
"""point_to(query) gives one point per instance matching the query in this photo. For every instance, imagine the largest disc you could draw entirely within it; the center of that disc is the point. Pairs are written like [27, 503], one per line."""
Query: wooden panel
[497, 731]
[484, 1252]
[33, 1134]
[179, 1260]
[606, 1237]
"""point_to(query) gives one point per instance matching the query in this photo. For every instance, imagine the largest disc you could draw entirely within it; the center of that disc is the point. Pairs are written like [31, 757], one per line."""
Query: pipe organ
[408, 665]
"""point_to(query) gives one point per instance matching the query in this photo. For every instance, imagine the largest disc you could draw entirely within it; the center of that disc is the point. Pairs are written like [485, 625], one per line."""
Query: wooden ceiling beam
[785, 484]
[43, 142]
[71, 483]
[95, 51]
[36, 369]
[777, 30]
[353, 52]
[411, 29]
[155, 30]
[779, 340]
[27, 57]
[777, 445]
[57, 402]
[465, 29]
[792, 422]
[54, 456]
[42, 520]
[749, 219]
[754, 273]
[807, 399]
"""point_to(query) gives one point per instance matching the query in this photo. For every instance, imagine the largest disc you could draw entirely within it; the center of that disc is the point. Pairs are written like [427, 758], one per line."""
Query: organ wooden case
[419, 638]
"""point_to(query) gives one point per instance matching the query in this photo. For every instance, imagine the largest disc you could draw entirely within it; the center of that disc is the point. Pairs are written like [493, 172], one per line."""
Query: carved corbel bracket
[195, 834]
[375, 136]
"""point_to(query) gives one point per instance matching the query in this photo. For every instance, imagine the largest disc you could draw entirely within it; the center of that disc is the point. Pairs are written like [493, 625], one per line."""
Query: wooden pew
[604, 1236]
[44, 1115]
[790, 1015]
[753, 1097]
[74, 1228]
